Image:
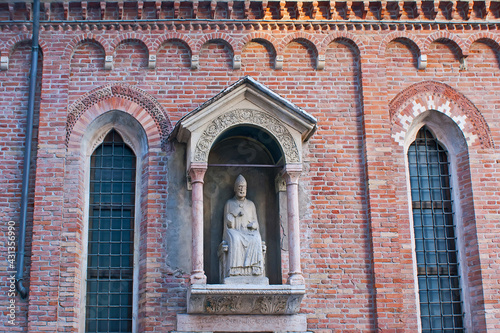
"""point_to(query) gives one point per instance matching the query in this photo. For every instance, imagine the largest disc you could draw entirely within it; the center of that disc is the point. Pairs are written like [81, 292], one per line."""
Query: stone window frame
[451, 137]
[135, 137]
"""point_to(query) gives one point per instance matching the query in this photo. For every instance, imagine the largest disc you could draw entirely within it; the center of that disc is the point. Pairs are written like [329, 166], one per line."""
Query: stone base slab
[241, 323]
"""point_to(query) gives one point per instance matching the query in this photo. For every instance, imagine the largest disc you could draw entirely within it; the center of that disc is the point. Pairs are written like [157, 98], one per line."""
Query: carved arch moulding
[430, 95]
[245, 103]
[125, 92]
[246, 117]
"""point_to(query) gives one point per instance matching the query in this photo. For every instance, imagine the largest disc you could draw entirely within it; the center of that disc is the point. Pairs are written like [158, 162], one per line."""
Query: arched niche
[254, 153]
[245, 129]
[246, 115]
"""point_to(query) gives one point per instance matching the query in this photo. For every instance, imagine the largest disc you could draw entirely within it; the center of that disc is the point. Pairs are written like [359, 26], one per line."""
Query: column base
[296, 279]
[198, 278]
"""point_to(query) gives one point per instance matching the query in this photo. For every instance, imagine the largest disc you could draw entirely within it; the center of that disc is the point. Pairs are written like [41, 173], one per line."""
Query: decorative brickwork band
[424, 96]
[247, 116]
[136, 95]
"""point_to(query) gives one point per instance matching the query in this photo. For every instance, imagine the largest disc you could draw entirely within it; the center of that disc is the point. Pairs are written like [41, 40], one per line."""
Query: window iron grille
[435, 237]
[111, 237]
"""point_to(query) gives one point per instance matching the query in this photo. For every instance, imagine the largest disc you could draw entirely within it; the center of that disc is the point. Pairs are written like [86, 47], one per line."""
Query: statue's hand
[252, 225]
[230, 221]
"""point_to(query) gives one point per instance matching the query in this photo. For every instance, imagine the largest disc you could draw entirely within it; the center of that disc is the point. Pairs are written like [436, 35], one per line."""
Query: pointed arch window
[435, 236]
[111, 237]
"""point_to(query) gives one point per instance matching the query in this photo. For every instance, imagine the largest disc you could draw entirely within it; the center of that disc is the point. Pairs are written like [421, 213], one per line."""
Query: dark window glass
[111, 237]
[435, 241]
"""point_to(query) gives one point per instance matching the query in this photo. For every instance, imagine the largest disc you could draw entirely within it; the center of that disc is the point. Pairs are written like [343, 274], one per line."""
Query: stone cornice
[246, 14]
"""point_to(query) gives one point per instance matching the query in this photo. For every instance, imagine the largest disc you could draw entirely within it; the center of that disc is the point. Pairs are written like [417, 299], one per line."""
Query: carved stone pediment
[245, 299]
[245, 103]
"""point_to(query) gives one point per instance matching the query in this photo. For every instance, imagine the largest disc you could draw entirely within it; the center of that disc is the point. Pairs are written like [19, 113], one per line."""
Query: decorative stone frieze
[245, 299]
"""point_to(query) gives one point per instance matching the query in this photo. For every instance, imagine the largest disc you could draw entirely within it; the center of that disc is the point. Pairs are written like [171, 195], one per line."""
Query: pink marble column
[292, 174]
[197, 172]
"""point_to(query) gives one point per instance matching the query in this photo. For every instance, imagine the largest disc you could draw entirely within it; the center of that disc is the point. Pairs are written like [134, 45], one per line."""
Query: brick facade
[356, 237]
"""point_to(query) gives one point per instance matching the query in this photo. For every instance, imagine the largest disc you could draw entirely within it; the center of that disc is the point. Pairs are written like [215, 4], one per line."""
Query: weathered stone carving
[245, 299]
[246, 116]
[241, 251]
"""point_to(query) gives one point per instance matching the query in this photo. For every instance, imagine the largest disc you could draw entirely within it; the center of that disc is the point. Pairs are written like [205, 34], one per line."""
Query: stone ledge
[222, 299]
[241, 323]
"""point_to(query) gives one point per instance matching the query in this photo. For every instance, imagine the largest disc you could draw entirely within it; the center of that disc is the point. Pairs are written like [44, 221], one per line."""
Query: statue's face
[240, 190]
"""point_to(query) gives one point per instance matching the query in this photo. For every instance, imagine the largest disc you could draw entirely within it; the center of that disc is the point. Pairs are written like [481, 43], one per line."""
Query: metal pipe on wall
[23, 291]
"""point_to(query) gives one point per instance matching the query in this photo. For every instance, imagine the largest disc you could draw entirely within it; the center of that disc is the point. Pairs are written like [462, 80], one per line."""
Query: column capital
[291, 173]
[197, 172]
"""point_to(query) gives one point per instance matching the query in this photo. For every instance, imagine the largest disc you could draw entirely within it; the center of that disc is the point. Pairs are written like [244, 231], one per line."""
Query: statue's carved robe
[243, 239]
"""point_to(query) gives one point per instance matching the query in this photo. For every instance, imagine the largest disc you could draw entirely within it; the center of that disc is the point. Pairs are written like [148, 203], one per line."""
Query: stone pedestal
[241, 323]
[224, 299]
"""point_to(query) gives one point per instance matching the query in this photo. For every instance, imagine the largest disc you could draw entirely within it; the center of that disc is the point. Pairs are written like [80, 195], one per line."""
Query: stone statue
[242, 248]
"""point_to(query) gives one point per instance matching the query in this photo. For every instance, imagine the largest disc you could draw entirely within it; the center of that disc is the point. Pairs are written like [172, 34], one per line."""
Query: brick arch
[300, 35]
[132, 36]
[354, 41]
[430, 95]
[258, 35]
[144, 107]
[444, 35]
[417, 42]
[487, 36]
[156, 45]
[87, 37]
[11, 44]
[215, 36]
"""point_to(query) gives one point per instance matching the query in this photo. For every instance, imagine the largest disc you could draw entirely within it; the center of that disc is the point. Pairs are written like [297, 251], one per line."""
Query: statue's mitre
[240, 180]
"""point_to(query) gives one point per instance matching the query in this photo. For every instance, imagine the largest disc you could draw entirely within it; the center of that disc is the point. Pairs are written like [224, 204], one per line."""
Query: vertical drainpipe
[23, 291]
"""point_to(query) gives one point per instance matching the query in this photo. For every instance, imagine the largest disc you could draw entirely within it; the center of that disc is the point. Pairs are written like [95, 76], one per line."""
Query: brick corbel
[103, 9]
[108, 62]
[4, 63]
[195, 61]
[140, 5]
[152, 61]
[284, 15]
[158, 9]
[237, 61]
[320, 62]
[422, 61]
[84, 6]
[278, 64]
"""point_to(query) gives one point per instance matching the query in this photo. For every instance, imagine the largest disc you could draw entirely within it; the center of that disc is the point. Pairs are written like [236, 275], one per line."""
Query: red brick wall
[356, 249]
[14, 99]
